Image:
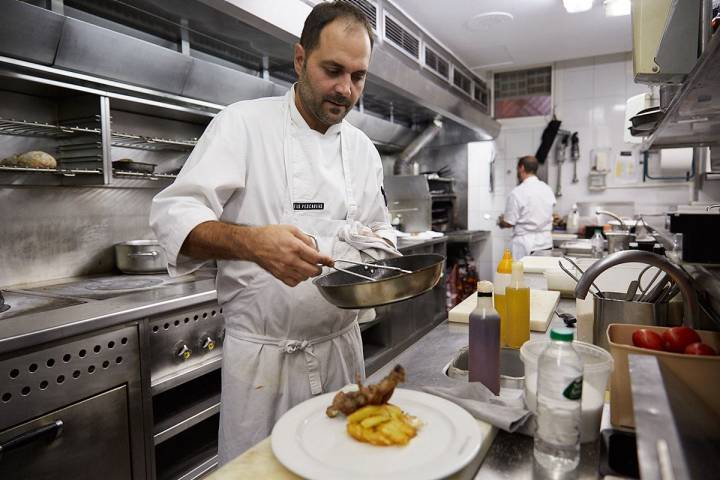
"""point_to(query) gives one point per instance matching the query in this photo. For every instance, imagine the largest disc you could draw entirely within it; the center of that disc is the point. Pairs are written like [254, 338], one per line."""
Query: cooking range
[39, 298]
[169, 361]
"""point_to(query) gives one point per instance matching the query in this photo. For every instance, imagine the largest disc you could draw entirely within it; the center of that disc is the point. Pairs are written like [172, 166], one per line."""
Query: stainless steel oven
[73, 409]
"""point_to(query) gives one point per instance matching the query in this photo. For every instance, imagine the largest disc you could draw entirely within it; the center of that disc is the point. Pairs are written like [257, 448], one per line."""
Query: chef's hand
[287, 253]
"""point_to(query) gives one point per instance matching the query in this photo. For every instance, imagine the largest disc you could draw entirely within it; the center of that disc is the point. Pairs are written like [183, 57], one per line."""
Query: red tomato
[676, 339]
[646, 338]
[699, 348]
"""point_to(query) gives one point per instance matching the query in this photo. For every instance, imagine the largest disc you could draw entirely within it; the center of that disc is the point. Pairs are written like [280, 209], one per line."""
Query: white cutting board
[542, 307]
[533, 264]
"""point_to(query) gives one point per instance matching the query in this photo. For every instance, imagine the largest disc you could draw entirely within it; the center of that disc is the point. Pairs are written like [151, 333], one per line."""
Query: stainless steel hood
[388, 68]
[73, 45]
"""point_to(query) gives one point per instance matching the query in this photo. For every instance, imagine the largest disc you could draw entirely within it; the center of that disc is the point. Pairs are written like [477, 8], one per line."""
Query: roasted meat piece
[378, 394]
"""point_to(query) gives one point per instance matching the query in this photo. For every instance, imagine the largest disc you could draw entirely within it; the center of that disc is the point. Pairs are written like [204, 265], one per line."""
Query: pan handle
[143, 254]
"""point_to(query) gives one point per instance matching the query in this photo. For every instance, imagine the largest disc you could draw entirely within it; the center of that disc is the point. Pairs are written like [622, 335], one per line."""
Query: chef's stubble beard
[307, 98]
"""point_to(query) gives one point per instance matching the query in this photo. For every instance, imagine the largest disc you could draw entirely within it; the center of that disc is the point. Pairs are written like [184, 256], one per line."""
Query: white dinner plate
[309, 443]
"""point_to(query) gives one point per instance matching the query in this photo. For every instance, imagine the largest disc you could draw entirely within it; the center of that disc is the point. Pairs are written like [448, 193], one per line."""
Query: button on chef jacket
[259, 163]
[529, 209]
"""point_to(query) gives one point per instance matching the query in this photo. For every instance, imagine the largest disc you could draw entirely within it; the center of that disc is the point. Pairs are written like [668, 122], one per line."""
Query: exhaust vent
[368, 8]
[462, 81]
[437, 64]
[401, 37]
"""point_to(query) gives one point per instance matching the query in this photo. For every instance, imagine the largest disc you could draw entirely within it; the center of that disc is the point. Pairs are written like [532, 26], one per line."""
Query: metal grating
[521, 83]
[401, 37]
[462, 81]
[436, 63]
[368, 8]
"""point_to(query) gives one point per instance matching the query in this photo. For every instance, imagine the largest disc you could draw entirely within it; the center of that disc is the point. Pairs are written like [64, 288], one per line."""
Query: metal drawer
[92, 441]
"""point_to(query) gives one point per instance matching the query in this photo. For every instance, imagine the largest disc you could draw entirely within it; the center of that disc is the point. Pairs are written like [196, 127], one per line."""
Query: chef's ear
[298, 58]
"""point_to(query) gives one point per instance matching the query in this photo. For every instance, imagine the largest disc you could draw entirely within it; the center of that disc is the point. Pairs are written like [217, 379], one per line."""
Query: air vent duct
[368, 8]
[437, 64]
[401, 37]
[462, 81]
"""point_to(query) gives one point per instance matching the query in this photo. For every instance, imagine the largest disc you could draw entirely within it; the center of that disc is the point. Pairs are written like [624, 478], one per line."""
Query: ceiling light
[487, 20]
[575, 6]
[616, 8]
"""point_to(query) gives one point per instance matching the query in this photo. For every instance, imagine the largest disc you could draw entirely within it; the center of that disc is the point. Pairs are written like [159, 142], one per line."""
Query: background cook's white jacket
[529, 209]
[283, 344]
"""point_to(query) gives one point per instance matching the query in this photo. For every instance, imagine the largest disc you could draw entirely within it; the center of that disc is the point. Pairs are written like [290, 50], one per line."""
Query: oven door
[88, 439]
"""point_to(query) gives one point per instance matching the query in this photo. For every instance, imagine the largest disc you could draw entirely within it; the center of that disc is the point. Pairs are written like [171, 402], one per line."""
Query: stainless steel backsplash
[48, 233]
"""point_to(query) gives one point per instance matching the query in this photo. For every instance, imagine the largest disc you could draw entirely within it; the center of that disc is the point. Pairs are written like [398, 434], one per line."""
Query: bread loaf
[33, 159]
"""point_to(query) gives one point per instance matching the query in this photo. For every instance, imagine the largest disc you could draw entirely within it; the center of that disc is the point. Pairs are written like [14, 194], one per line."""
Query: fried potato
[382, 425]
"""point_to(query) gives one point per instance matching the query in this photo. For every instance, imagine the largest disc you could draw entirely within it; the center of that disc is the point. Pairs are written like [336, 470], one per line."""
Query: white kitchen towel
[482, 404]
[362, 238]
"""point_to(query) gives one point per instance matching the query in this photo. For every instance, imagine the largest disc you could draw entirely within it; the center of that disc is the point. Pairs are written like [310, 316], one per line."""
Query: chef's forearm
[219, 241]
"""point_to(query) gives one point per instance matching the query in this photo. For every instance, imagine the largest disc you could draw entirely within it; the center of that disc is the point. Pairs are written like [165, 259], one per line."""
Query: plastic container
[699, 373]
[573, 220]
[598, 365]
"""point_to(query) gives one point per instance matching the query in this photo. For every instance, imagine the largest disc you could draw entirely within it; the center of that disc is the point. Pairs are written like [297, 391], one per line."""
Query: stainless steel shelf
[693, 116]
[143, 176]
[68, 172]
[185, 419]
[150, 143]
[39, 129]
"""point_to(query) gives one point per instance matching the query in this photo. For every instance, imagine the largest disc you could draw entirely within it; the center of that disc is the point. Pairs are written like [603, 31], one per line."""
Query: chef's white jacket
[529, 209]
[236, 174]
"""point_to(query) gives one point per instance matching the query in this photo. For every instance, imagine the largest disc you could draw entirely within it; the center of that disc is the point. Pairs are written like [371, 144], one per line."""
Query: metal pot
[347, 291]
[140, 256]
[618, 241]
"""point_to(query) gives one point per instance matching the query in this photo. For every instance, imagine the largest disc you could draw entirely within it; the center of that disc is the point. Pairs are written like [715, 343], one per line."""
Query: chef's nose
[343, 85]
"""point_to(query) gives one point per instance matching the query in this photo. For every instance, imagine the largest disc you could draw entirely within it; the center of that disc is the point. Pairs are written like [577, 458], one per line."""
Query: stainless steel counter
[28, 330]
[510, 455]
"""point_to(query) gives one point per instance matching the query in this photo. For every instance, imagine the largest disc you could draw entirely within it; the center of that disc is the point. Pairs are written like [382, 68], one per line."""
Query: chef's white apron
[523, 245]
[283, 345]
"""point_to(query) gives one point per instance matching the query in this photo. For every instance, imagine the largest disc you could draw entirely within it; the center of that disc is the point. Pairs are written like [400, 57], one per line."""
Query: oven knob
[208, 344]
[183, 353]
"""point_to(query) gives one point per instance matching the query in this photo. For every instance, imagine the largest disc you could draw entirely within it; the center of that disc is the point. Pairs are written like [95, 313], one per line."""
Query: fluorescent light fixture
[616, 8]
[575, 6]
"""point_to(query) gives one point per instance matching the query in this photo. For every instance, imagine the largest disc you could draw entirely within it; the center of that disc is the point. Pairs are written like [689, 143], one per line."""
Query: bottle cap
[562, 334]
[517, 271]
[484, 286]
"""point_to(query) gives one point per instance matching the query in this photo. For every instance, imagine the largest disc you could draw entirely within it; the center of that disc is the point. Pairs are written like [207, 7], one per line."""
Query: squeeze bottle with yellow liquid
[517, 298]
[501, 280]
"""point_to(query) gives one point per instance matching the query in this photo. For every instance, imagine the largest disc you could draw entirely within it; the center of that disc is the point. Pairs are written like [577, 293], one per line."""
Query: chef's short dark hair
[323, 14]
[529, 163]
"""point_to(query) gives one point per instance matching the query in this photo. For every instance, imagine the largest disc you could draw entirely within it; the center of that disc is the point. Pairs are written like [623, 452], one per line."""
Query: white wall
[589, 96]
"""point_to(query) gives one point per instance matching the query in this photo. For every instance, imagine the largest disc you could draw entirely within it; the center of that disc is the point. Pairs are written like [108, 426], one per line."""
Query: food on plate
[33, 159]
[348, 402]
[382, 425]
[699, 348]
[646, 338]
[370, 418]
[676, 339]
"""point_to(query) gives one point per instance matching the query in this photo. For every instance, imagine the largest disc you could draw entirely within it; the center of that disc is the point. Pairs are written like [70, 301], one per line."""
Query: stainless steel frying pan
[345, 290]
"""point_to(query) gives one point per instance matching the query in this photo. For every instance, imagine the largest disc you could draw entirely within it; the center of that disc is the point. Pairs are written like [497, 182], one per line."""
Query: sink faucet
[691, 309]
[613, 215]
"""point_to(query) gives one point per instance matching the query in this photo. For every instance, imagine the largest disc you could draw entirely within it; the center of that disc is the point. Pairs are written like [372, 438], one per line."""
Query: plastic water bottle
[559, 396]
[598, 244]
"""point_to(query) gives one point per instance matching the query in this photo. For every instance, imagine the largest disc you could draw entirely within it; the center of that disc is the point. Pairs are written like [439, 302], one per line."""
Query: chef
[274, 189]
[528, 211]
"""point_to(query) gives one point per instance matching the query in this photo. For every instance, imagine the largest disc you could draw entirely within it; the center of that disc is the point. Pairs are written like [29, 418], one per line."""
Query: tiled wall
[589, 96]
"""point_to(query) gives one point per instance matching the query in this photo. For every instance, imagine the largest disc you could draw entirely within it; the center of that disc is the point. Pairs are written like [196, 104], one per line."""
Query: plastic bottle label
[574, 390]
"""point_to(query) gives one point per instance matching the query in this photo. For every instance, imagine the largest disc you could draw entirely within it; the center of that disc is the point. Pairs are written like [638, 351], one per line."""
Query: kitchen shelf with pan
[693, 115]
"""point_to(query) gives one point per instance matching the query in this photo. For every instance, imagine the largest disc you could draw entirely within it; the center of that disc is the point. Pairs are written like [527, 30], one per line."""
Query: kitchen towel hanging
[548, 137]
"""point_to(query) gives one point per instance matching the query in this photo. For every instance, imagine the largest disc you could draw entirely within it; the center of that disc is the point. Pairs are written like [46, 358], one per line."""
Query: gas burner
[123, 283]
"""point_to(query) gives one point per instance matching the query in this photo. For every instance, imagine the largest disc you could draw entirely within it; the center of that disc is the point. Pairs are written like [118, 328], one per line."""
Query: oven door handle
[50, 431]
